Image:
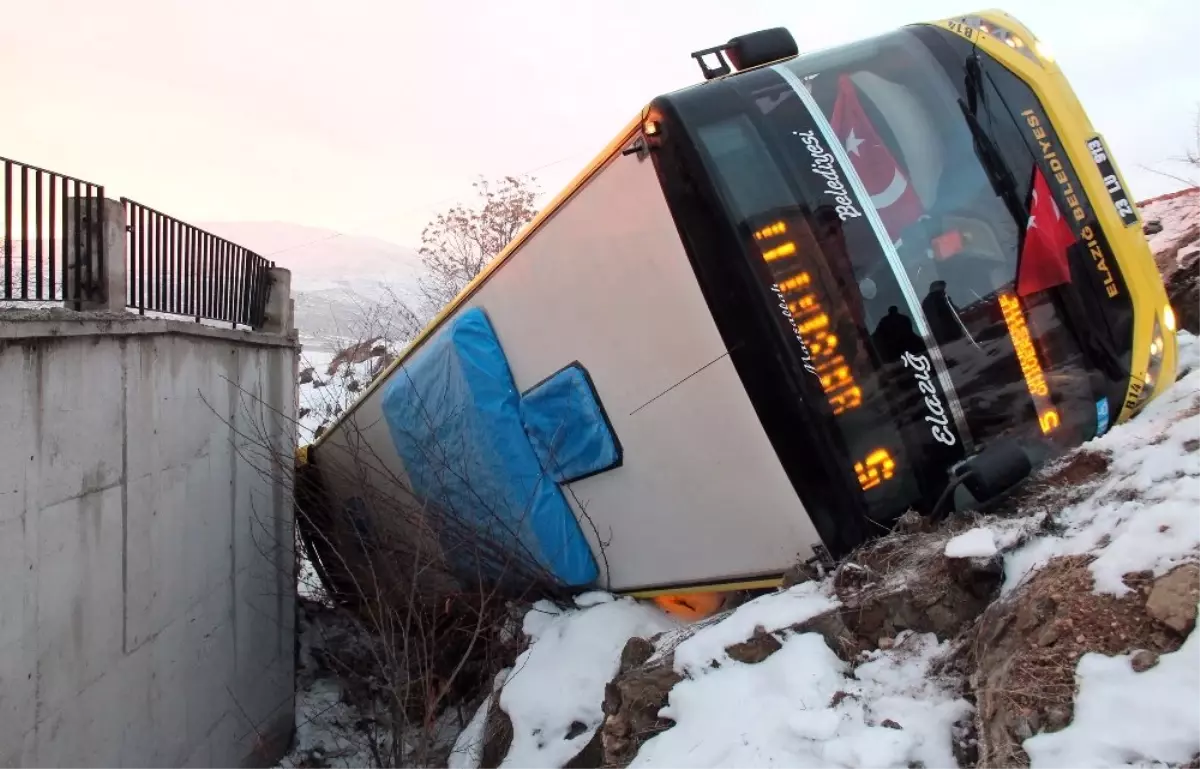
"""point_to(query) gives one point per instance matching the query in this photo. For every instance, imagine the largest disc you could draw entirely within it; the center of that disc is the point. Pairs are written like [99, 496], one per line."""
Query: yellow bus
[783, 307]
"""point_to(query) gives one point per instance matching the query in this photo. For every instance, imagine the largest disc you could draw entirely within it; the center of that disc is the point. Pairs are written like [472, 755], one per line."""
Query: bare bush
[459, 243]
[434, 593]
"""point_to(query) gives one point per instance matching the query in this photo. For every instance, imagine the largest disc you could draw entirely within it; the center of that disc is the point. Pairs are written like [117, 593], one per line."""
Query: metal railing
[179, 269]
[50, 254]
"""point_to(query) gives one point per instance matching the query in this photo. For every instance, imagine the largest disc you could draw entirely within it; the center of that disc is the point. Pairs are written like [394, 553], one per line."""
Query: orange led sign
[1035, 378]
[875, 469]
[812, 323]
[799, 290]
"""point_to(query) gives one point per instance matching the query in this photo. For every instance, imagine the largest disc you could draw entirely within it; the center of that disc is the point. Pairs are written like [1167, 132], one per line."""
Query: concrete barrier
[146, 561]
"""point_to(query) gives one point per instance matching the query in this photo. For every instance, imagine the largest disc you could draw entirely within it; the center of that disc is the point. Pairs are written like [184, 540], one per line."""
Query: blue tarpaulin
[454, 416]
[568, 429]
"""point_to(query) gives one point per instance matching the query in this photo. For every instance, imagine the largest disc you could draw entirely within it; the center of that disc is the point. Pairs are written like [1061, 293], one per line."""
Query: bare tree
[460, 242]
[1190, 157]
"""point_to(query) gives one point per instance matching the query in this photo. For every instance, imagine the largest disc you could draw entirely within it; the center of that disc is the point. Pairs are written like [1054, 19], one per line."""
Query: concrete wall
[146, 565]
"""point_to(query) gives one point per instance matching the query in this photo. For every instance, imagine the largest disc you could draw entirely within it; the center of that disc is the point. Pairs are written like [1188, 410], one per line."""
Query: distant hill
[336, 279]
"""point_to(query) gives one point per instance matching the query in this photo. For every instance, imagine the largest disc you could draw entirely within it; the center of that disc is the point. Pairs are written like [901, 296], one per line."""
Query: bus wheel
[691, 606]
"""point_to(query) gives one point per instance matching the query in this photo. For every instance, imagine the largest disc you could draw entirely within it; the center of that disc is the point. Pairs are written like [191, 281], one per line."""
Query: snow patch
[467, 752]
[1123, 717]
[770, 612]
[1188, 357]
[1142, 516]
[559, 680]
[801, 707]
[976, 543]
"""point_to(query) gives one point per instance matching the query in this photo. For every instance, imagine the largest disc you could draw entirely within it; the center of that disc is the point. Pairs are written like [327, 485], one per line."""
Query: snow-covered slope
[1173, 224]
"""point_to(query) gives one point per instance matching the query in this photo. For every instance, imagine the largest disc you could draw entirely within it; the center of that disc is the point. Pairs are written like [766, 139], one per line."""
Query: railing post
[277, 318]
[94, 252]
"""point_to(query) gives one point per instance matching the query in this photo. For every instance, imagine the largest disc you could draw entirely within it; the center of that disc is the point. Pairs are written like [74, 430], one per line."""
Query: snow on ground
[558, 682]
[802, 707]
[326, 730]
[979, 542]
[1122, 716]
[325, 396]
[1189, 353]
[467, 752]
[769, 612]
[1143, 516]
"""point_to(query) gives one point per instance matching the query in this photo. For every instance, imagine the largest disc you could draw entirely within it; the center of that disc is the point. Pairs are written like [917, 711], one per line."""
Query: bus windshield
[922, 253]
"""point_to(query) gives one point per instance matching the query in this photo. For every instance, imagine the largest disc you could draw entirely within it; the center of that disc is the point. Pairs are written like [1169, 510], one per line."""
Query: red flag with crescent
[890, 190]
[1043, 262]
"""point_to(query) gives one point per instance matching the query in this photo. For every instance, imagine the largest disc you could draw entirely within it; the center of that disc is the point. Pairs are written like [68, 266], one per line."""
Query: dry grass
[1066, 482]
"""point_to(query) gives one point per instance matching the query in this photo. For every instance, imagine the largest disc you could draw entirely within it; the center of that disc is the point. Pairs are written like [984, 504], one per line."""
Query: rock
[497, 736]
[981, 577]
[1142, 660]
[1152, 227]
[1172, 600]
[756, 648]
[631, 704]
[1057, 718]
[1183, 289]
[890, 724]
[306, 376]
[636, 652]
[903, 582]
[834, 630]
[886, 643]
[1049, 636]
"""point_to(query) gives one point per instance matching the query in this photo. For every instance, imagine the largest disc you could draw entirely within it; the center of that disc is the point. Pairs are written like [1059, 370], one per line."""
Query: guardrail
[178, 269]
[49, 252]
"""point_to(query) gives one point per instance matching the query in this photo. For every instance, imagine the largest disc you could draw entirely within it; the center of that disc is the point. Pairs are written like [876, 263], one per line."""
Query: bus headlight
[1158, 347]
[1031, 49]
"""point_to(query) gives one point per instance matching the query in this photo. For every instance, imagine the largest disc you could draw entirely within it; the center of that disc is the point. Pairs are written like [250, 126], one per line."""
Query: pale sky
[367, 116]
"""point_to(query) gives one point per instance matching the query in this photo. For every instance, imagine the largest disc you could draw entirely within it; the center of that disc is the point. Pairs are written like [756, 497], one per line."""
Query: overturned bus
[783, 307]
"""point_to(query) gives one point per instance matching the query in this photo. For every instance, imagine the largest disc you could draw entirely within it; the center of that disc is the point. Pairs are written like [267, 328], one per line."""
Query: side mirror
[991, 474]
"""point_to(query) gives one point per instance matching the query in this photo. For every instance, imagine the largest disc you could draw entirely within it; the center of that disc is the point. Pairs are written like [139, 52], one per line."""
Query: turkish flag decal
[1043, 262]
[890, 190]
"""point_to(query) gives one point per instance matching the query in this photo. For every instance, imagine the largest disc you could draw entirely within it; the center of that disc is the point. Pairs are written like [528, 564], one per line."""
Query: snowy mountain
[336, 279]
